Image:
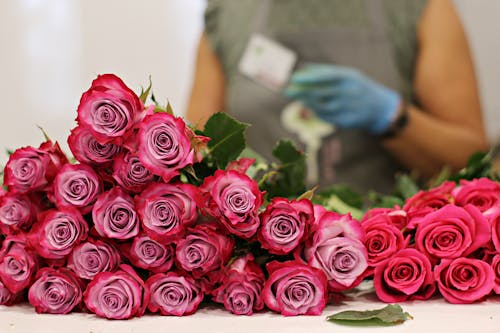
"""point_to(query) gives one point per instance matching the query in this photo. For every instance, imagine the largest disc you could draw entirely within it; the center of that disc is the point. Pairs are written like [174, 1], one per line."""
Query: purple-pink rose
[17, 265]
[56, 291]
[146, 253]
[7, 297]
[117, 295]
[173, 294]
[86, 148]
[131, 174]
[464, 280]
[493, 217]
[114, 215]
[495, 265]
[93, 257]
[17, 213]
[294, 288]
[483, 193]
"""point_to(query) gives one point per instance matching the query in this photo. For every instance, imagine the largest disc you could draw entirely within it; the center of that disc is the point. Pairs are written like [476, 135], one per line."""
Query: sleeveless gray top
[377, 37]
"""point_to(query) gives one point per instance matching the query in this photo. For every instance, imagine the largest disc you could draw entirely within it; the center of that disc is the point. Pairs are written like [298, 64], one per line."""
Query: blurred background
[51, 50]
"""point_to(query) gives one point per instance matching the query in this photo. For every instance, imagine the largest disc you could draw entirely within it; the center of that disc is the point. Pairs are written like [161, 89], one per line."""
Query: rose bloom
[167, 209]
[173, 294]
[495, 264]
[452, 232]
[7, 297]
[93, 257]
[397, 216]
[146, 253]
[17, 212]
[241, 289]
[17, 265]
[55, 291]
[493, 217]
[403, 276]
[233, 199]
[294, 288]
[118, 295]
[428, 201]
[464, 280]
[131, 174]
[114, 215]
[109, 109]
[284, 224]
[76, 185]
[86, 148]
[483, 193]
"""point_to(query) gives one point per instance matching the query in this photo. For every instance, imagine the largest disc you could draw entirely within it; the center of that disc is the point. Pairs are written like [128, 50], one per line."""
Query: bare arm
[448, 127]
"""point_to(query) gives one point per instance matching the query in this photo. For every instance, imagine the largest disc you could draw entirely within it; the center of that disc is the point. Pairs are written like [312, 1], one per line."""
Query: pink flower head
[428, 201]
[397, 216]
[493, 216]
[131, 174]
[17, 265]
[93, 257]
[146, 253]
[483, 193]
[7, 297]
[17, 212]
[495, 264]
[26, 170]
[86, 148]
[173, 294]
[294, 288]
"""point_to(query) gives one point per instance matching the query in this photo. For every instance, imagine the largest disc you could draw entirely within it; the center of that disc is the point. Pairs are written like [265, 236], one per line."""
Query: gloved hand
[344, 97]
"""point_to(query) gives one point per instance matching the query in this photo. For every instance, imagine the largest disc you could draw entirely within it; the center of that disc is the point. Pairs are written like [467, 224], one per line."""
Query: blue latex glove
[344, 97]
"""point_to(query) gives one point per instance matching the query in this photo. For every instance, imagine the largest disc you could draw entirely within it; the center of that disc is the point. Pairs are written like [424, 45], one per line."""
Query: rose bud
[131, 174]
[55, 291]
[406, 275]
[146, 253]
[241, 289]
[77, 185]
[294, 288]
[118, 295]
[203, 249]
[7, 297]
[283, 224]
[109, 109]
[17, 212]
[233, 199]
[483, 193]
[57, 159]
[58, 232]
[164, 146]
[17, 265]
[166, 210]
[173, 294]
[86, 148]
[464, 280]
[26, 170]
[495, 264]
[114, 215]
[93, 257]
[397, 216]
[427, 201]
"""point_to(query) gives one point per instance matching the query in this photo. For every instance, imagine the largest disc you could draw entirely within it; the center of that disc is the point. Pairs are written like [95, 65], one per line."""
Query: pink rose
[131, 174]
[493, 216]
[204, 249]
[57, 159]
[452, 232]
[164, 146]
[464, 280]
[483, 193]
[93, 257]
[283, 224]
[109, 109]
[7, 297]
[173, 294]
[403, 276]
[234, 199]
[57, 232]
[26, 170]
[55, 291]
[295, 289]
[17, 212]
[17, 265]
[146, 253]
[77, 185]
[114, 215]
[167, 209]
[397, 216]
[241, 289]
[240, 165]
[118, 295]
[495, 264]
[86, 148]
[427, 201]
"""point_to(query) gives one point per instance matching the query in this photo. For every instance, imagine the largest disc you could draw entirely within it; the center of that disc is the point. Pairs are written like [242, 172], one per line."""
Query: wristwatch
[398, 124]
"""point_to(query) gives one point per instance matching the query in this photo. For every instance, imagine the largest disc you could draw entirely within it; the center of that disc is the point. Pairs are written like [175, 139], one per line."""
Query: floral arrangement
[152, 215]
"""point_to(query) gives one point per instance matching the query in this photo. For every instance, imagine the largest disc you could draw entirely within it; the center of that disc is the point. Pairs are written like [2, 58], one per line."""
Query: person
[393, 78]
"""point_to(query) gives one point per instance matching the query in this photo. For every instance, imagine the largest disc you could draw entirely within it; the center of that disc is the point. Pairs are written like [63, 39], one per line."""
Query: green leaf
[169, 109]
[191, 172]
[227, 138]
[334, 203]
[344, 193]
[9, 151]
[145, 93]
[308, 194]
[478, 165]
[406, 186]
[392, 314]
[45, 135]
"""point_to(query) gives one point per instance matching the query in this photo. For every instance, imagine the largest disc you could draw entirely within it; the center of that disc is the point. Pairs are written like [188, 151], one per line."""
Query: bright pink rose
[425, 202]
[26, 170]
[17, 212]
[164, 146]
[114, 215]
[118, 295]
[93, 257]
[464, 280]
[241, 289]
[483, 193]
[7, 297]
[17, 265]
[397, 216]
[167, 209]
[404, 275]
[77, 185]
[495, 264]
[109, 109]
[130, 174]
[294, 288]
[57, 232]
[173, 294]
[203, 249]
[146, 253]
[452, 232]
[55, 291]
[234, 199]
[284, 224]
[493, 217]
[86, 148]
